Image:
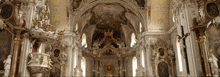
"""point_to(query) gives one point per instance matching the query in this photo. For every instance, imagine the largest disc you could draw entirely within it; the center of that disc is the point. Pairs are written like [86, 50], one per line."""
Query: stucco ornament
[41, 19]
[214, 65]
[7, 63]
[2, 25]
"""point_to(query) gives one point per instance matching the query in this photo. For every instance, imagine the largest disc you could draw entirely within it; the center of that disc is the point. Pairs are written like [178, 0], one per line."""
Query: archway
[163, 70]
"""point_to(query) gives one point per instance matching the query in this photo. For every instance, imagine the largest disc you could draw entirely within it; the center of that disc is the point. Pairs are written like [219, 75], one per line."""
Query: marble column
[204, 49]
[94, 67]
[119, 70]
[17, 41]
[68, 36]
[123, 63]
[26, 49]
[98, 75]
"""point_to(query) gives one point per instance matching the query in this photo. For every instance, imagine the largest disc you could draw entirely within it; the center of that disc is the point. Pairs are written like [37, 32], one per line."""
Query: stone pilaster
[148, 63]
[69, 51]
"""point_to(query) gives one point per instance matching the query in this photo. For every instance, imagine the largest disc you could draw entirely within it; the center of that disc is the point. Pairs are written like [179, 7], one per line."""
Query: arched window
[84, 40]
[133, 39]
[134, 66]
[76, 27]
[75, 57]
[173, 18]
[140, 27]
[163, 69]
[179, 55]
[83, 65]
[143, 62]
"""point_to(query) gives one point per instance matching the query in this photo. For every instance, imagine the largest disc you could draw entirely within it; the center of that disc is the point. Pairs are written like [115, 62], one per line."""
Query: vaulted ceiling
[123, 17]
[111, 16]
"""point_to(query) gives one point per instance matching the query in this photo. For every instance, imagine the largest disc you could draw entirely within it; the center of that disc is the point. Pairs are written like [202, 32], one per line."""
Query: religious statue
[214, 65]
[2, 24]
[7, 63]
[171, 52]
[20, 16]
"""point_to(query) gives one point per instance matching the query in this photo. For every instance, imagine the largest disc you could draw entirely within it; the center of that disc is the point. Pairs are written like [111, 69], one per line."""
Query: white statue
[20, 16]
[7, 63]
[2, 24]
[214, 65]
[40, 16]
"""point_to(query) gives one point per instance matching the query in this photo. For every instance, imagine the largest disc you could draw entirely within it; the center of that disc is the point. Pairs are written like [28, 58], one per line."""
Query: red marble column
[15, 53]
[204, 49]
[124, 66]
[119, 70]
[98, 68]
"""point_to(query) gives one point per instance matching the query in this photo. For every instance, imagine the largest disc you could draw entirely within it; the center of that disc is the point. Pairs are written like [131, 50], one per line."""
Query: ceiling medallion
[7, 10]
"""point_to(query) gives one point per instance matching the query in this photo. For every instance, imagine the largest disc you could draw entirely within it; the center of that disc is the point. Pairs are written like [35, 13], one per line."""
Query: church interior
[109, 38]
